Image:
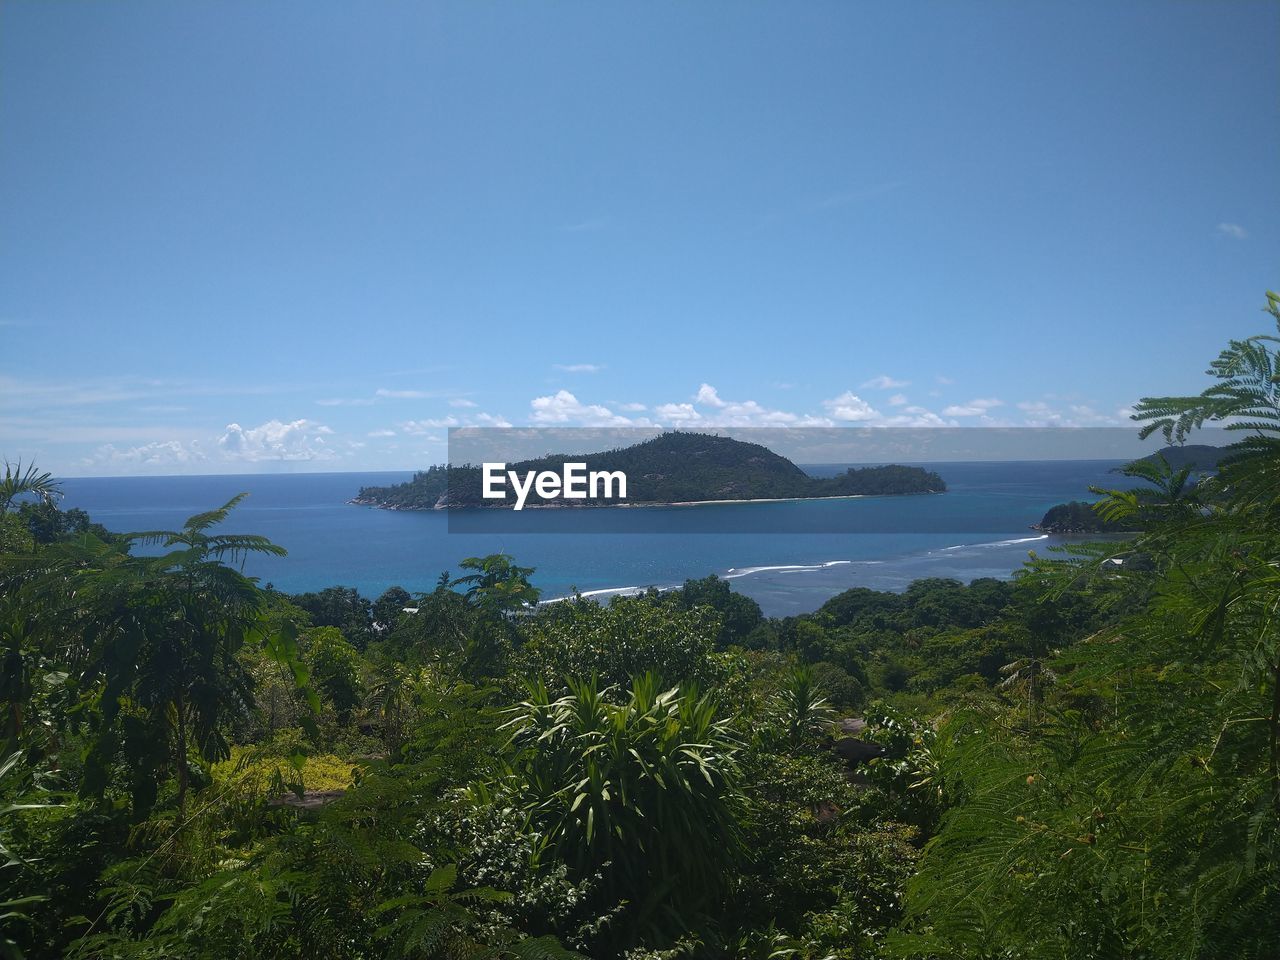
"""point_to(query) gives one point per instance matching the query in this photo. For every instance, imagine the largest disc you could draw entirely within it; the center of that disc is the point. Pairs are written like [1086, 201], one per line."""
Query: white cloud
[974, 408]
[945, 381]
[564, 407]
[579, 367]
[677, 413]
[897, 400]
[917, 417]
[884, 382]
[1233, 230]
[346, 402]
[708, 395]
[418, 427]
[276, 440]
[731, 413]
[382, 433]
[156, 454]
[632, 407]
[461, 403]
[489, 420]
[850, 407]
[401, 394]
[1041, 414]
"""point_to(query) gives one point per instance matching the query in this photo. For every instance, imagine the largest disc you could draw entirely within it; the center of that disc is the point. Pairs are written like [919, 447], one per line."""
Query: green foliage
[19, 796]
[334, 666]
[496, 584]
[340, 607]
[48, 524]
[390, 606]
[739, 615]
[629, 637]
[641, 791]
[800, 708]
[1140, 815]
[151, 644]
[495, 845]
[826, 871]
[470, 624]
[31, 482]
[1081, 764]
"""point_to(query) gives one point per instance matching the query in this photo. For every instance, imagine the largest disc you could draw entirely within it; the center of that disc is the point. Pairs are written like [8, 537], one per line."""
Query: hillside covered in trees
[1082, 763]
[1181, 463]
[676, 467]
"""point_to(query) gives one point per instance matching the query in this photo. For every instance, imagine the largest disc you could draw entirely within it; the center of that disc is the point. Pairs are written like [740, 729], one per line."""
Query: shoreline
[604, 594]
[355, 501]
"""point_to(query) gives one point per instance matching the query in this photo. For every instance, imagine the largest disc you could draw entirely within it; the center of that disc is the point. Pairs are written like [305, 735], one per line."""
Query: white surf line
[731, 574]
[995, 543]
[710, 503]
[734, 572]
[604, 592]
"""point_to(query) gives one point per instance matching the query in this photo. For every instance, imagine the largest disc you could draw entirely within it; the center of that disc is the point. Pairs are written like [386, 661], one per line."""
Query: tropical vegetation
[1082, 762]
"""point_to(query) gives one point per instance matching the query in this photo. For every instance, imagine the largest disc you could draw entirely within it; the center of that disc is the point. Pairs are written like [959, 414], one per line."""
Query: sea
[331, 542]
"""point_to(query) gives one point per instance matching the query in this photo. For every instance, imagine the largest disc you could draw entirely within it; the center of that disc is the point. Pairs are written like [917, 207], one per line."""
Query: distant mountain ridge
[676, 467]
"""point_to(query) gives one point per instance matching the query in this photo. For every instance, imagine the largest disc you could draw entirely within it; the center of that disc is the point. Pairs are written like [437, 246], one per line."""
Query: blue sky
[253, 236]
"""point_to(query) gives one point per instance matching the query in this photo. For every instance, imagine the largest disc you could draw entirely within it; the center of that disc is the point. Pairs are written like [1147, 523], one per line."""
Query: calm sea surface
[331, 542]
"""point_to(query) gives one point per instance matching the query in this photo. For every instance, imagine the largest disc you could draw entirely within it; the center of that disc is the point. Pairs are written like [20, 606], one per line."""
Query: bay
[331, 542]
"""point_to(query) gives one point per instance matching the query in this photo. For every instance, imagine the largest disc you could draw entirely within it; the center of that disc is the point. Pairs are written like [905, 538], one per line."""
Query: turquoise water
[979, 528]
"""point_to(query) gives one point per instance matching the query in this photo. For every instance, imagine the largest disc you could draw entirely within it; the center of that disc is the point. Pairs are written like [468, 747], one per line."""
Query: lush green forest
[676, 467]
[1081, 763]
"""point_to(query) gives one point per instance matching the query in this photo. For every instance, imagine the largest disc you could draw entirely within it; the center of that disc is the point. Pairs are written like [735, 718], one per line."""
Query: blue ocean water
[331, 542]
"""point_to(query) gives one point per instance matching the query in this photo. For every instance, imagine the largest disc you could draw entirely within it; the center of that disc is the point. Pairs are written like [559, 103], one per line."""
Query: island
[1197, 457]
[1079, 516]
[673, 468]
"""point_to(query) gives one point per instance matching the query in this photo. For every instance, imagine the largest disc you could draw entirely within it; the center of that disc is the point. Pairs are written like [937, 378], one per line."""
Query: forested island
[1184, 461]
[1079, 516]
[673, 468]
[1082, 763]
[1196, 457]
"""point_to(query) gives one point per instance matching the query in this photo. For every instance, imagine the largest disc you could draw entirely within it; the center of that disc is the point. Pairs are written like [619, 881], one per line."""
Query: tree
[389, 607]
[642, 790]
[165, 651]
[799, 706]
[1141, 815]
[153, 645]
[17, 482]
[497, 586]
[341, 607]
[47, 523]
[631, 636]
[739, 615]
[334, 667]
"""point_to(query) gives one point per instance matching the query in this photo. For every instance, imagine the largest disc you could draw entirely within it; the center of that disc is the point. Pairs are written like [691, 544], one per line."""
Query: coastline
[355, 501]
[788, 589]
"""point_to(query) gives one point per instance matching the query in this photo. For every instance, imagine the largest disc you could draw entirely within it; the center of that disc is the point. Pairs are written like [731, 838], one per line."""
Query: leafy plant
[642, 791]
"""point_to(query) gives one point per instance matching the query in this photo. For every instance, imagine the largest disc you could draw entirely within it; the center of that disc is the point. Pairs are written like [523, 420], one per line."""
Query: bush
[631, 636]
